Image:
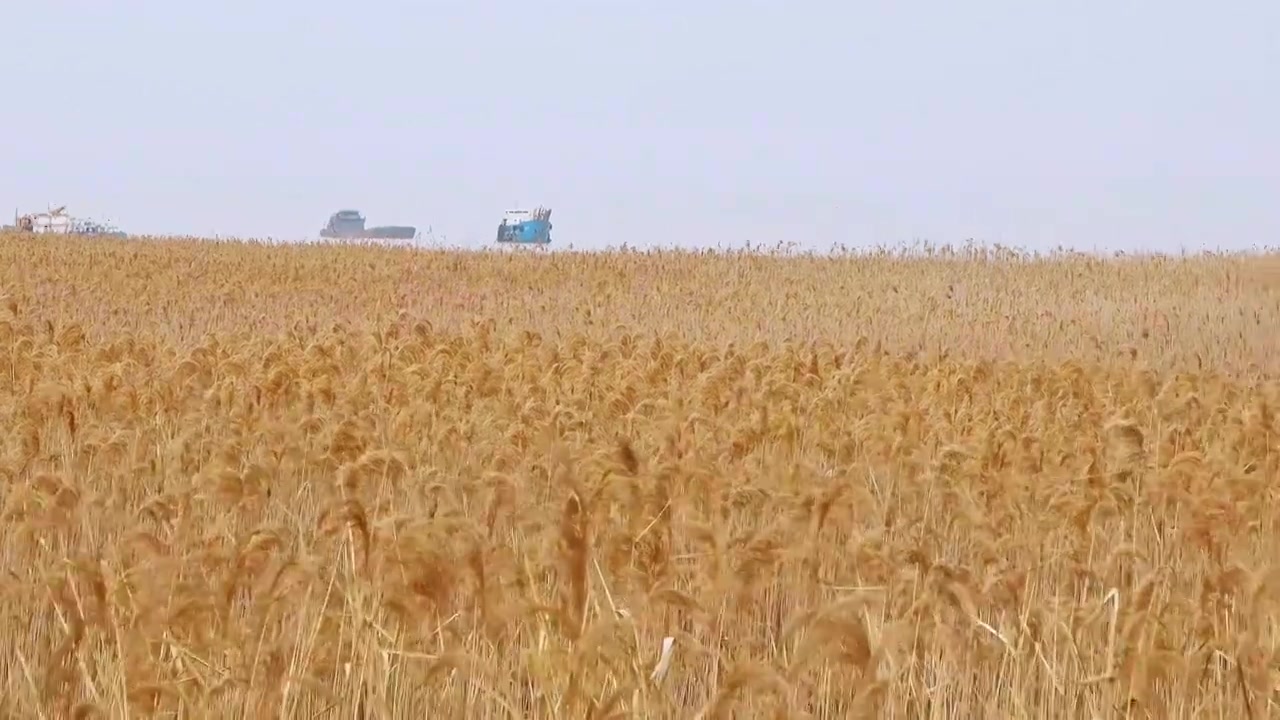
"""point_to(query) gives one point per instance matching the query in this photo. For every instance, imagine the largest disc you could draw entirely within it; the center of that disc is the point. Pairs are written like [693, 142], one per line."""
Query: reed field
[243, 481]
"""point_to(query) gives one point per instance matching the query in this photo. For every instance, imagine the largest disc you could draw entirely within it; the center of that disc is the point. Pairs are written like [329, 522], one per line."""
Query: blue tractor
[526, 227]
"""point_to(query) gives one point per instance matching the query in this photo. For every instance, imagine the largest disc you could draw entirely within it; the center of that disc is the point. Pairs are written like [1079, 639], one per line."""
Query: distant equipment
[526, 227]
[349, 225]
[56, 221]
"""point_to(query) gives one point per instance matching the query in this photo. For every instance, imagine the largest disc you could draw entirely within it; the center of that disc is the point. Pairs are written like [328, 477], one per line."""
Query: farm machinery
[526, 227]
[56, 221]
[349, 225]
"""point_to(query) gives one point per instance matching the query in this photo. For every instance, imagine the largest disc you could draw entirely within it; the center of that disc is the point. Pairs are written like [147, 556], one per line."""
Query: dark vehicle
[349, 225]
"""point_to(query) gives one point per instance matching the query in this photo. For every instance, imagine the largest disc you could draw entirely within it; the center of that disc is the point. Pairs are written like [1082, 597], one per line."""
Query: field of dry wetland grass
[240, 480]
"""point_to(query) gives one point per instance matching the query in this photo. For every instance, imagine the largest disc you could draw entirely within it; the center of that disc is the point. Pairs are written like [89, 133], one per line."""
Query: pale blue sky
[1116, 125]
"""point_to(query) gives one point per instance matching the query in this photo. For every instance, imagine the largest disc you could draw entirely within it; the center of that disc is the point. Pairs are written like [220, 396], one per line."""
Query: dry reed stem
[291, 482]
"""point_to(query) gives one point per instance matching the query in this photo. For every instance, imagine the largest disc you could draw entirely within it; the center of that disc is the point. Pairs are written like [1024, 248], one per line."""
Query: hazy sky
[1088, 124]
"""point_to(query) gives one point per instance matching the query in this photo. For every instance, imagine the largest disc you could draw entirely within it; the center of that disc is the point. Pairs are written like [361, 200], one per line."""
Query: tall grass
[249, 481]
